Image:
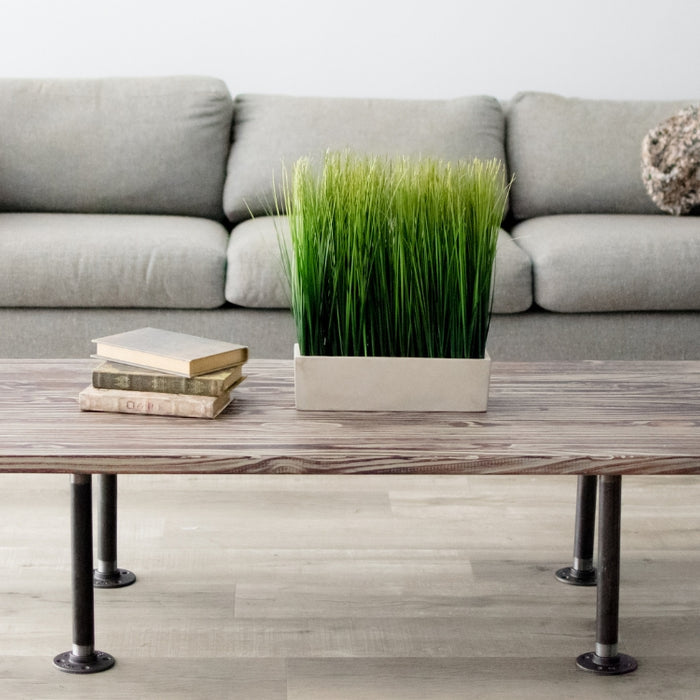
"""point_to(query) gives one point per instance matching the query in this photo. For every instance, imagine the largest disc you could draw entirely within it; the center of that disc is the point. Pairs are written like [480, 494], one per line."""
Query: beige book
[169, 351]
[153, 403]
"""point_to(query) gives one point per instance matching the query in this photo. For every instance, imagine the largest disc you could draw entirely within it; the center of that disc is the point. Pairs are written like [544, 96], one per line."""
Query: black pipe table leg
[108, 574]
[82, 658]
[606, 660]
[582, 572]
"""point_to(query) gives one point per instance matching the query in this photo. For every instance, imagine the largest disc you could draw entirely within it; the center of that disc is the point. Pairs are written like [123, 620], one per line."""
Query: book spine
[165, 385]
[93, 399]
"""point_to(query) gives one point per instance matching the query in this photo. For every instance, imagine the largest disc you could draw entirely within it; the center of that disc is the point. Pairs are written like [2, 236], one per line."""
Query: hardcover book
[169, 351]
[153, 403]
[112, 375]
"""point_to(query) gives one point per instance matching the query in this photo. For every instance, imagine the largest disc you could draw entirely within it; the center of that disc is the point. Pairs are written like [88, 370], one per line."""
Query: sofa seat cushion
[512, 291]
[598, 262]
[271, 132]
[115, 260]
[580, 156]
[114, 145]
[255, 273]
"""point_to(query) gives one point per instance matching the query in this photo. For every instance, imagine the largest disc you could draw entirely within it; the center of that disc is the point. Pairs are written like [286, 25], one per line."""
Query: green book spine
[110, 375]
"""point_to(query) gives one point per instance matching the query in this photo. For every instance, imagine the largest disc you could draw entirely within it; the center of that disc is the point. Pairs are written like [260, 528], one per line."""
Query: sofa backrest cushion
[114, 145]
[573, 155]
[272, 131]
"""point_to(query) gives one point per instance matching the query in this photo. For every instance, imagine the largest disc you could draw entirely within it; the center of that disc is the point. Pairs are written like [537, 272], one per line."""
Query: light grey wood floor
[324, 588]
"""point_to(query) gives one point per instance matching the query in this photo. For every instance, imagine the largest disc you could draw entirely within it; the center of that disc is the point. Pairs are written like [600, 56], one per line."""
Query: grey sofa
[147, 201]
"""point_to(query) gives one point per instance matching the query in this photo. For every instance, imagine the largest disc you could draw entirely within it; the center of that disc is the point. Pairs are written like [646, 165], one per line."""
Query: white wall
[391, 48]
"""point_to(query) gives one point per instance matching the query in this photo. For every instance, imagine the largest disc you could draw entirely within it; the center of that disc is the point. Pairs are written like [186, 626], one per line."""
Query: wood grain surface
[260, 587]
[543, 418]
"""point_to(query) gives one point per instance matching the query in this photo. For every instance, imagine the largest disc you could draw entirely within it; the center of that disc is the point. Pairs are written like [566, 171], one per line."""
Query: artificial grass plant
[393, 257]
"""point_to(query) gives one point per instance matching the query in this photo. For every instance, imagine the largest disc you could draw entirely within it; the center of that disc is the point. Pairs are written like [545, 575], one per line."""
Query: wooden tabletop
[543, 418]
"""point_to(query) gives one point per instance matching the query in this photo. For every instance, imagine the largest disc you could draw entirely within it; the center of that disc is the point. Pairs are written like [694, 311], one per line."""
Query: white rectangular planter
[324, 383]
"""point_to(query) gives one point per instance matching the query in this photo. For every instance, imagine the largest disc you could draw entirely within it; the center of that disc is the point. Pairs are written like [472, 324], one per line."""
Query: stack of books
[163, 373]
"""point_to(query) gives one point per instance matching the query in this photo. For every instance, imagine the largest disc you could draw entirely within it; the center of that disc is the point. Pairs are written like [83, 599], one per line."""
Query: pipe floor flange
[114, 579]
[576, 577]
[94, 663]
[607, 665]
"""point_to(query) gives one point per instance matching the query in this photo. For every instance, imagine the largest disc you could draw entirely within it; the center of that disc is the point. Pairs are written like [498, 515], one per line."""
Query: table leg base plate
[576, 577]
[95, 663]
[116, 579]
[606, 666]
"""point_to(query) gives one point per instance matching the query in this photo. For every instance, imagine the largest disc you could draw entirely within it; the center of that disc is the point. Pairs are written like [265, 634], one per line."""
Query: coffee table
[595, 420]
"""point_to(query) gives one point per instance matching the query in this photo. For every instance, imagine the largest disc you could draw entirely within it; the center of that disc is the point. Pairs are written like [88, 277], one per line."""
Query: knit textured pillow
[671, 162]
